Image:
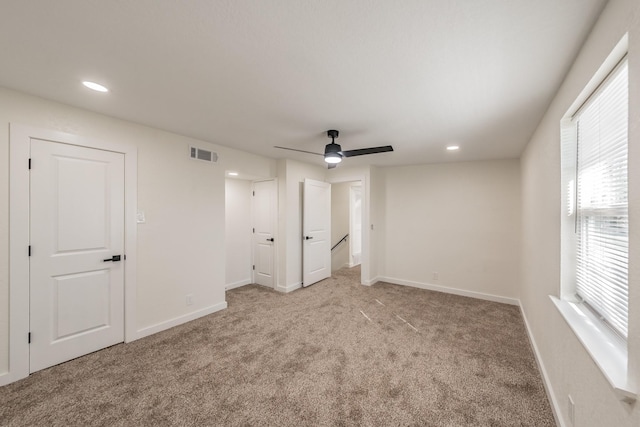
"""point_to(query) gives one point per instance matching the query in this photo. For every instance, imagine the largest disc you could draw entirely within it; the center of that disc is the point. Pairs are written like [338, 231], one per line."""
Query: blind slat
[602, 202]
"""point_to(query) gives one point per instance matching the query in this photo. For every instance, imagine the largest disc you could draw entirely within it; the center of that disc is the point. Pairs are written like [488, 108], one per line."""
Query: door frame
[352, 218]
[365, 278]
[19, 239]
[275, 232]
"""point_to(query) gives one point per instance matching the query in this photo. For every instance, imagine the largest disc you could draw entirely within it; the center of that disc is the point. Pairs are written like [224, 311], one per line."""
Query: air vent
[204, 155]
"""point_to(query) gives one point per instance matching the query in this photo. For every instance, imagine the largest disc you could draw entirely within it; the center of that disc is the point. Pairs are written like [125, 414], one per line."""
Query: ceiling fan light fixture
[333, 153]
[332, 158]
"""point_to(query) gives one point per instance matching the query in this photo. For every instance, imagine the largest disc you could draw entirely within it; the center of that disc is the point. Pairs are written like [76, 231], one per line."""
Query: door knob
[114, 258]
[308, 237]
[270, 240]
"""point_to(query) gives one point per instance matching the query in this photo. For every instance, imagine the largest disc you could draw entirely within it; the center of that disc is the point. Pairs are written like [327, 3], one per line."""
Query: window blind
[602, 201]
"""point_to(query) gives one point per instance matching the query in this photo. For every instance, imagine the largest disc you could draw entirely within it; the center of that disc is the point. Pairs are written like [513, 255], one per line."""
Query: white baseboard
[237, 284]
[373, 281]
[447, 290]
[7, 378]
[555, 408]
[290, 288]
[345, 265]
[162, 326]
[512, 301]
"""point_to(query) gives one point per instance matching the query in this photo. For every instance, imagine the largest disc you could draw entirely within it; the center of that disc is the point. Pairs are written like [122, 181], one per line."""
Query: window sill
[605, 348]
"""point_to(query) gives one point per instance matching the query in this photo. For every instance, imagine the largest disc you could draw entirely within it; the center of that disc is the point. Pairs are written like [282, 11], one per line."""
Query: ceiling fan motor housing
[332, 148]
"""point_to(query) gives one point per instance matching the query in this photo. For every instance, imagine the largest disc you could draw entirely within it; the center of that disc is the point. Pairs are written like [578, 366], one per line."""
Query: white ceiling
[417, 74]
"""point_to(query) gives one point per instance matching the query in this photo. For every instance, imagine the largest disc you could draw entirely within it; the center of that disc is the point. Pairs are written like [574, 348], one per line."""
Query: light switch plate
[140, 219]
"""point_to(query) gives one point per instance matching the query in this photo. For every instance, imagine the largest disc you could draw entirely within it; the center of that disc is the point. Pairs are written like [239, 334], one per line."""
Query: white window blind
[602, 201]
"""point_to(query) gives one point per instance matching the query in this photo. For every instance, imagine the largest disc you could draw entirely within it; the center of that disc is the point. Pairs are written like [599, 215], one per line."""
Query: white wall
[181, 247]
[237, 232]
[459, 220]
[569, 369]
[339, 224]
[281, 244]
[291, 175]
[377, 224]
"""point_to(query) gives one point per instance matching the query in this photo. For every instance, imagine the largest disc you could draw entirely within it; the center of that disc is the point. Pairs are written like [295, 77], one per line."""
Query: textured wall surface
[339, 224]
[238, 238]
[455, 225]
[569, 368]
[181, 247]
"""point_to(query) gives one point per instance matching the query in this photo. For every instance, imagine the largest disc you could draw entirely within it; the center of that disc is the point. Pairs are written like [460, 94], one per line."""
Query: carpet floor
[336, 353]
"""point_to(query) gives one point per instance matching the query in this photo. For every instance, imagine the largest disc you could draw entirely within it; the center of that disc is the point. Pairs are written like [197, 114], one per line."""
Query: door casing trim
[19, 239]
[365, 278]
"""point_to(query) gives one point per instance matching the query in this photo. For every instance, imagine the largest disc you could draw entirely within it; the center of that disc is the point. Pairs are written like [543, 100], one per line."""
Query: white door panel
[81, 210]
[92, 288]
[264, 260]
[316, 232]
[77, 222]
[264, 220]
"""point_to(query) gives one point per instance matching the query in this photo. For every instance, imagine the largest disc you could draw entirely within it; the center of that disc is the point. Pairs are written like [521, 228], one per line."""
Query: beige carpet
[310, 357]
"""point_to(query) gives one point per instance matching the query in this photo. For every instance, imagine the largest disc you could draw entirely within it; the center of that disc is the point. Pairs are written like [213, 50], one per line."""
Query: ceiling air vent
[204, 155]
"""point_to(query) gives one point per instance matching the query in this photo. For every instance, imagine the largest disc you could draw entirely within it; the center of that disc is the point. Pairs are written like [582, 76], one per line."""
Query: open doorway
[238, 227]
[355, 224]
[346, 224]
[250, 217]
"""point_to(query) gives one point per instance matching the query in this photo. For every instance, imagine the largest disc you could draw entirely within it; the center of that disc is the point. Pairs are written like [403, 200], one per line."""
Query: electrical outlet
[189, 299]
[572, 411]
[435, 276]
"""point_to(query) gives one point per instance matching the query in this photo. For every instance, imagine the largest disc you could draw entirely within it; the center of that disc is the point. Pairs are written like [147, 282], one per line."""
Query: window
[602, 230]
[595, 232]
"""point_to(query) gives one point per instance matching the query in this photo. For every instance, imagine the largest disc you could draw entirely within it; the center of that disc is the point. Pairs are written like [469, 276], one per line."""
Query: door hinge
[29, 163]
[125, 257]
[254, 230]
[29, 338]
[29, 250]
[253, 267]
[254, 193]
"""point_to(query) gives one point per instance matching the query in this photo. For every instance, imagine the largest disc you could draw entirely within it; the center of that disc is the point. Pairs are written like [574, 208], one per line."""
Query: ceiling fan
[333, 153]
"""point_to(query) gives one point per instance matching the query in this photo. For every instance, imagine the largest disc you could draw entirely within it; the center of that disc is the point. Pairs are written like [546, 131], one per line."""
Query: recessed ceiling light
[233, 173]
[453, 147]
[95, 86]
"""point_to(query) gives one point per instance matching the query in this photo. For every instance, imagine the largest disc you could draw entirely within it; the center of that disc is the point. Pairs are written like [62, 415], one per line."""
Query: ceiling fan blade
[301, 151]
[331, 165]
[363, 151]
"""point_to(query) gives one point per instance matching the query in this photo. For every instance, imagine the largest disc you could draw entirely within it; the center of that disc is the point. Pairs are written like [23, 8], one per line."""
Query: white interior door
[316, 232]
[77, 224]
[264, 220]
